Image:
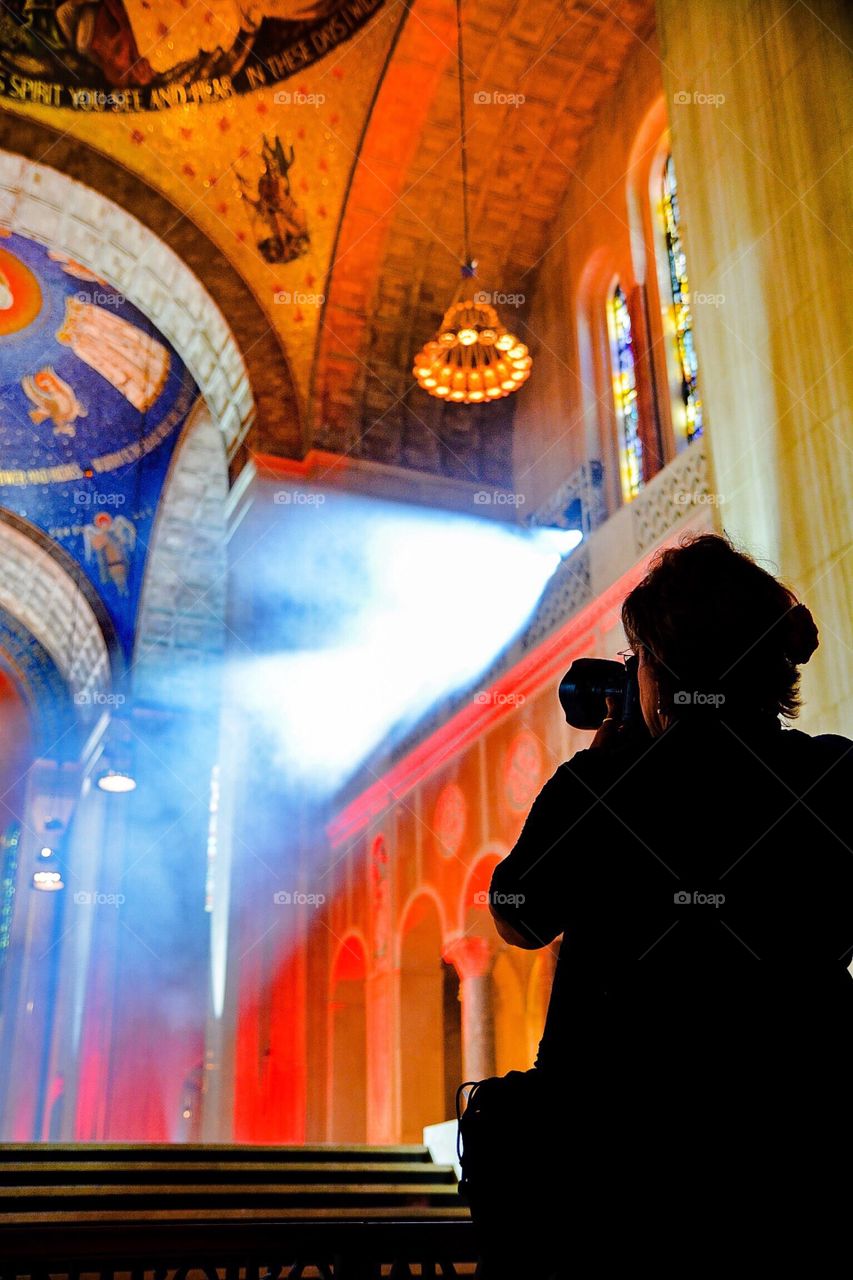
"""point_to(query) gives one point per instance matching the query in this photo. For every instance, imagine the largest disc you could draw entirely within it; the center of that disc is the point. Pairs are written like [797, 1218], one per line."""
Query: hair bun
[802, 635]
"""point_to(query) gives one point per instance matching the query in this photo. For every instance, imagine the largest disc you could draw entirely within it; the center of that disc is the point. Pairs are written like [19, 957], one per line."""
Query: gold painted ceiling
[333, 188]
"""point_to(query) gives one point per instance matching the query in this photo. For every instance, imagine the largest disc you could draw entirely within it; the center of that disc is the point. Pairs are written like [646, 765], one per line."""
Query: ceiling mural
[93, 400]
[133, 55]
[265, 173]
[329, 177]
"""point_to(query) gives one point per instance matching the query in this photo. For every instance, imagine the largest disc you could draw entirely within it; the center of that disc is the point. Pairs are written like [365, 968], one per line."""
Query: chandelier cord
[468, 264]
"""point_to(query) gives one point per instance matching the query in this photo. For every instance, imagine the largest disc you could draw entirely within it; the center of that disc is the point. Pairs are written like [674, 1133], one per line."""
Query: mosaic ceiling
[92, 402]
[316, 145]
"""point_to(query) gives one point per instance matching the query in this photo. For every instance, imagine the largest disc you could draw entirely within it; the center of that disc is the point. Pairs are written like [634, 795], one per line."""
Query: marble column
[472, 958]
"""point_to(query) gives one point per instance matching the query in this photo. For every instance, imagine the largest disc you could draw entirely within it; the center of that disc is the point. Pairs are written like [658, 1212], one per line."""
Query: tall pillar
[761, 113]
[472, 959]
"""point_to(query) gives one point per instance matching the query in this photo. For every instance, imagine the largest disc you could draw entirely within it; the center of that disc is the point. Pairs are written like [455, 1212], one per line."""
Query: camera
[588, 683]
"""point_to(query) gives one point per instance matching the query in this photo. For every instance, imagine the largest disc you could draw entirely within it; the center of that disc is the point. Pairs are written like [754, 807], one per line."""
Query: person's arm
[510, 935]
[528, 890]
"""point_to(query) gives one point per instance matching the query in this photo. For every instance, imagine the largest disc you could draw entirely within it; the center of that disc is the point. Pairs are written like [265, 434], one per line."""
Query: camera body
[588, 683]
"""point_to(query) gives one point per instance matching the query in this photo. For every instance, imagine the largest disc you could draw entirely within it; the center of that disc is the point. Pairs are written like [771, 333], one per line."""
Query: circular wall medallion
[448, 823]
[523, 771]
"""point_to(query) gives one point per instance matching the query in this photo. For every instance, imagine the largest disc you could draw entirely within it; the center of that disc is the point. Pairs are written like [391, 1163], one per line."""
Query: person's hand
[607, 732]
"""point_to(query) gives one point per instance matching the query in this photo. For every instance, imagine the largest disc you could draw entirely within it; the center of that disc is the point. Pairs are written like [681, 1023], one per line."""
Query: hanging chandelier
[473, 357]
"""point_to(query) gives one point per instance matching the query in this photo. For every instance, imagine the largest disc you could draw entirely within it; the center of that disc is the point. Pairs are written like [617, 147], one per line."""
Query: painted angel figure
[110, 541]
[53, 398]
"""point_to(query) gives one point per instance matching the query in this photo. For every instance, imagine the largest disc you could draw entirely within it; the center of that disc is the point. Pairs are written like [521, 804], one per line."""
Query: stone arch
[508, 985]
[166, 266]
[347, 1107]
[473, 910]
[180, 629]
[422, 1083]
[422, 891]
[72, 658]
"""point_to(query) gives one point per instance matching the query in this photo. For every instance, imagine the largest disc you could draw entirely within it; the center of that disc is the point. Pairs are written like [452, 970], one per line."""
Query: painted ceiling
[317, 146]
[92, 402]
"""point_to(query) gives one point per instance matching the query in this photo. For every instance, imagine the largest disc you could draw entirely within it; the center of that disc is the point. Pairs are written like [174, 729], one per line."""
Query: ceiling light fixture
[473, 357]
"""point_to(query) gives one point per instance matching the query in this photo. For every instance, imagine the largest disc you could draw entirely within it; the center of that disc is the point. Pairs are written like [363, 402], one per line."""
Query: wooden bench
[233, 1212]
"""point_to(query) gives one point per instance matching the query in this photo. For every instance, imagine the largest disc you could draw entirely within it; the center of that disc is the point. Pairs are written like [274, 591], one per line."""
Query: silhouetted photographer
[690, 1106]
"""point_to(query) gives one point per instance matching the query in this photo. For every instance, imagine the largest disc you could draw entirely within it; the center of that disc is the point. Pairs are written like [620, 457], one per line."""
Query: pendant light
[473, 357]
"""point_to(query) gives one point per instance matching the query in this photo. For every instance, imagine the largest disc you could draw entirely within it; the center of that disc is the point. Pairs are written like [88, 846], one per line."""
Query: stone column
[472, 959]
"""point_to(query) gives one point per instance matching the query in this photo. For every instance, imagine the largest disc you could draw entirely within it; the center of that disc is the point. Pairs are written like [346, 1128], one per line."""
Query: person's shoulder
[827, 744]
[594, 766]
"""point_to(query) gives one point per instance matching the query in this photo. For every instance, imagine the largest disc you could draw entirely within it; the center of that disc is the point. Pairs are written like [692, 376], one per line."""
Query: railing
[229, 1213]
[579, 502]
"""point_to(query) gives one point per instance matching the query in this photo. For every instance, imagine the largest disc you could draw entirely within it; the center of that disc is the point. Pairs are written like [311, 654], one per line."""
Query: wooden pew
[239, 1213]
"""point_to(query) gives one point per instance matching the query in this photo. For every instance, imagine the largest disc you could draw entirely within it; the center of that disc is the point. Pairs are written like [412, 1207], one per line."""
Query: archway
[511, 1041]
[422, 1055]
[348, 1045]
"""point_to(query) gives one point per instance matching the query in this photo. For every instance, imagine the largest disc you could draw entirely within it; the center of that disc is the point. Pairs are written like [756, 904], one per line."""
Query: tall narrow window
[691, 425]
[625, 394]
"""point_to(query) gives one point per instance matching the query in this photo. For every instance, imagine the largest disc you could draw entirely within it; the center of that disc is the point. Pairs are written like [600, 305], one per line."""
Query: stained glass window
[625, 394]
[691, 425]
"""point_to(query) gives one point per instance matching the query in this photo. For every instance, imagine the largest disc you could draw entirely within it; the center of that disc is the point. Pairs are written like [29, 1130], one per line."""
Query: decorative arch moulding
[48, 206]
[165, 265]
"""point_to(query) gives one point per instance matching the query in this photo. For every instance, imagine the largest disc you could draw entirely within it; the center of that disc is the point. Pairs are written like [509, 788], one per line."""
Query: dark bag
[497, 1108]
[507, 1141]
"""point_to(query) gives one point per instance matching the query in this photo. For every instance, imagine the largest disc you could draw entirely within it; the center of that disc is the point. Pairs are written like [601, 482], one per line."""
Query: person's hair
[713, 621]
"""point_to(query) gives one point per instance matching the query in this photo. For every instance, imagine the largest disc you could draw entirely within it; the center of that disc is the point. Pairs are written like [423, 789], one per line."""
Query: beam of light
[372, 614]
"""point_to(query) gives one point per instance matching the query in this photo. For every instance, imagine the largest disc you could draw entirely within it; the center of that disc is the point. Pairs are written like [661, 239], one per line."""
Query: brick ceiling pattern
[377, 175]
[535, 76]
